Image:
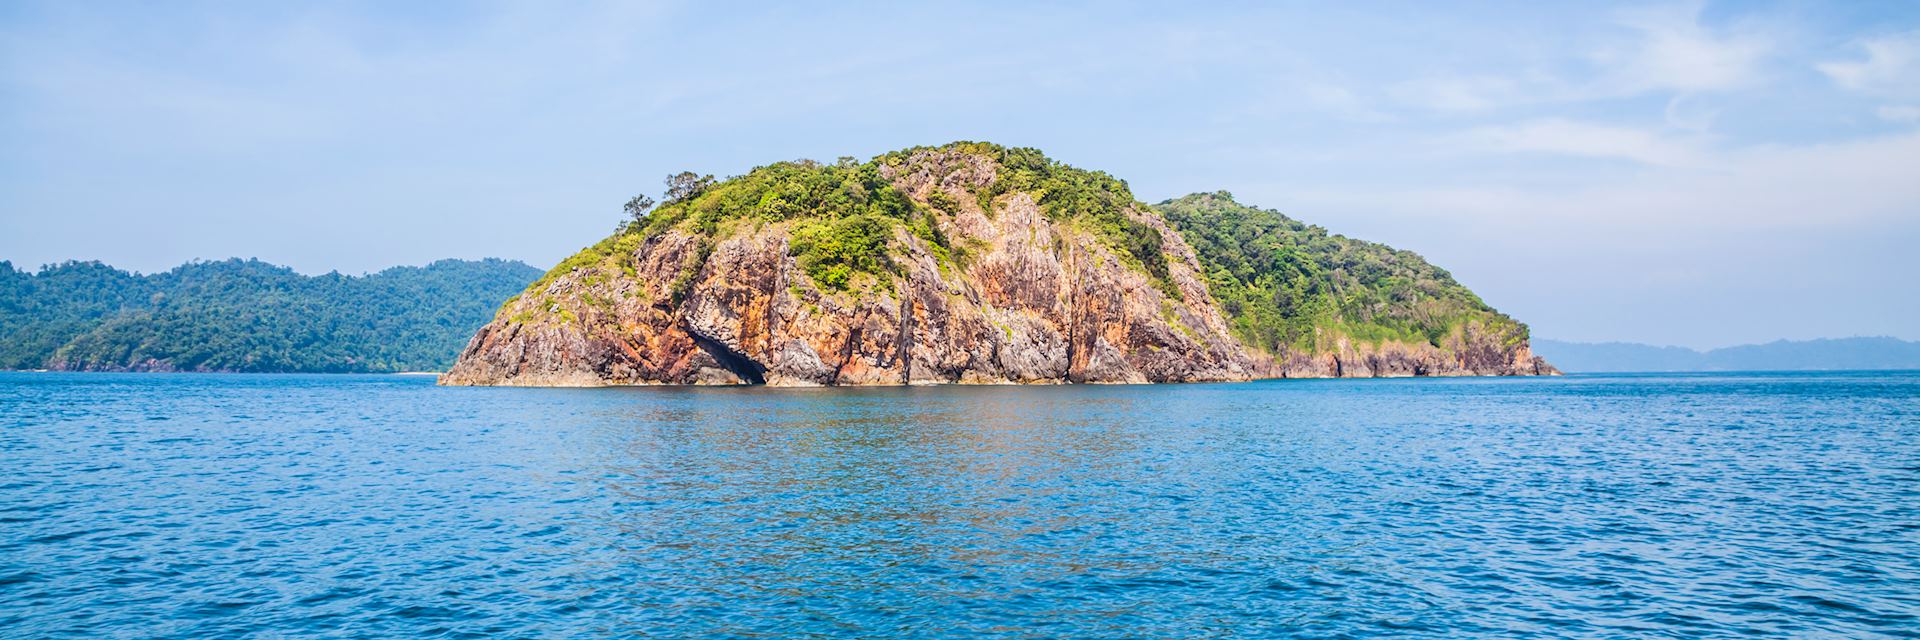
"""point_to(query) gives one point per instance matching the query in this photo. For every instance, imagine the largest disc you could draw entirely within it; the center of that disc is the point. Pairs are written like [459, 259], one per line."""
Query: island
[975, 263]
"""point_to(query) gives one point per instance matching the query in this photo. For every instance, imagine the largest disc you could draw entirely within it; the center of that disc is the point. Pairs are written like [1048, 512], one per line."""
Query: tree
[685, 185]
[638, 206]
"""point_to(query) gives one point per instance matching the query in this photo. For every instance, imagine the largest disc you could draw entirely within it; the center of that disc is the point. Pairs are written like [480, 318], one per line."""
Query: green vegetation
[1278, 280]
[841, 209]
[831, 251]
[843, 214]
[614, 246]
[783, 191]
[247, 315]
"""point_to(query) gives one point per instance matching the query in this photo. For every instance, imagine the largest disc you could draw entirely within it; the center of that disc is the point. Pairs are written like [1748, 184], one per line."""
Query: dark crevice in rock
[1073, 314]
[846, 355]
[905, 340]
[741, 365]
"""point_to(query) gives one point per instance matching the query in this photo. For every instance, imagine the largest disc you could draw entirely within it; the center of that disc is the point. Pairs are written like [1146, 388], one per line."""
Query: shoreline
[235, 373]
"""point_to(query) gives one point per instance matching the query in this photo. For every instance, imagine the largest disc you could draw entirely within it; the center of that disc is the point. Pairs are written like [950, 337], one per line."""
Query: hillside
[1294, 292]
[247, 315]
[1832, 354]
[974, 263]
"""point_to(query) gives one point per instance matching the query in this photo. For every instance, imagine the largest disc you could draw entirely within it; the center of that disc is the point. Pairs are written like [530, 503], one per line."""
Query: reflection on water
[893, 497]
[195, 506]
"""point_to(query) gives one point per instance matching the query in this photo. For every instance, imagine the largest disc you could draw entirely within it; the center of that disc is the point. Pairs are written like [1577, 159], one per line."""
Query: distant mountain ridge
[1873, 353]
[248, 316]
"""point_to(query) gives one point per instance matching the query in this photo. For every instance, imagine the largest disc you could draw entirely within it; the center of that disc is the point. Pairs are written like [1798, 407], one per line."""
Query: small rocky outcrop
[1472, 352]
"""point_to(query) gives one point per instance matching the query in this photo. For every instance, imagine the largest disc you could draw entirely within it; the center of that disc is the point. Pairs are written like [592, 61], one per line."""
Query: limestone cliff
[967, 263]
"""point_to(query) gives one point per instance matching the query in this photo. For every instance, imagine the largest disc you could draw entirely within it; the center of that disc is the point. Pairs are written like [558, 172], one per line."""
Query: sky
[1695, 174]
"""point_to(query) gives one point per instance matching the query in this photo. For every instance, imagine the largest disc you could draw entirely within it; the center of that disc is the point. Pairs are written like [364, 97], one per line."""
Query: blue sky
[1693, 174]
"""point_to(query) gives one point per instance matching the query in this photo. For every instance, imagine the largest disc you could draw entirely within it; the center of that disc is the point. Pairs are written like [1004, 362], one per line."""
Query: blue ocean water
[194, 506]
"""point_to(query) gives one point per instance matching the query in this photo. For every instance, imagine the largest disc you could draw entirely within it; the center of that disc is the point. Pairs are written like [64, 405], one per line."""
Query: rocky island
[974, 263]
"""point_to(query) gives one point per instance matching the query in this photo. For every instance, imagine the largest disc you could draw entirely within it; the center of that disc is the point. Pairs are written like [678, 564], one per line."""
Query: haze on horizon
[1691, 174]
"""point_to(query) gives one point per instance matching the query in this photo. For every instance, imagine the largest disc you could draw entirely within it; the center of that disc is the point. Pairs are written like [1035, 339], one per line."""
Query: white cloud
[1671, 50]
[1661, 49]
[1891, 67]
[1568, 137]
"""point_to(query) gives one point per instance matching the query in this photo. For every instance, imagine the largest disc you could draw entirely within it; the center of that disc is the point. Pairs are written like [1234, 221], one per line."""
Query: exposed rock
[1474, 352]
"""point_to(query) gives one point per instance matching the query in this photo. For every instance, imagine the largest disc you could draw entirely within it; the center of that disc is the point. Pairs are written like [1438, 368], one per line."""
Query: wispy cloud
[1567, 137]
[1848, 183]
[1671, 50]
[1891, 66]
[1659, 49]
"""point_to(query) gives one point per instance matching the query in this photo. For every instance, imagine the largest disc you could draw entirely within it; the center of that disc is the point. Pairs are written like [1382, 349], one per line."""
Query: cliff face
[973, 264]
[1473, 352]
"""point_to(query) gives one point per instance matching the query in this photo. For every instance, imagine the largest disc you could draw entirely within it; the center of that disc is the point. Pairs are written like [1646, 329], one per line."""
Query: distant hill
[1782, 355]
[247, 315]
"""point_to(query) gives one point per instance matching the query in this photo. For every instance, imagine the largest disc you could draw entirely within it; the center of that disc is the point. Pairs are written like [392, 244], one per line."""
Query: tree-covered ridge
[842, 215]
[247, 315]
[1286, 285]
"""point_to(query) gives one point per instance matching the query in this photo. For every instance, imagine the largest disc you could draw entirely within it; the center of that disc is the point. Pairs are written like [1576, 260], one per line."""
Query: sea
[1584, 506]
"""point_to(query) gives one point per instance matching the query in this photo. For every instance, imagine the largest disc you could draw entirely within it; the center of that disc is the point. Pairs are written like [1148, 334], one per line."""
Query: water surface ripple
[195, 506]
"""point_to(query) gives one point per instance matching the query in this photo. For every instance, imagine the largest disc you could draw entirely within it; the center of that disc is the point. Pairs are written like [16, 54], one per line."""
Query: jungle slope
[1311, 304]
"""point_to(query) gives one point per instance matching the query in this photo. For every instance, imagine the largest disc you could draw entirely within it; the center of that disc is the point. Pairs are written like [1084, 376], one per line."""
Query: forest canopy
[1284, 284]
[248, 316]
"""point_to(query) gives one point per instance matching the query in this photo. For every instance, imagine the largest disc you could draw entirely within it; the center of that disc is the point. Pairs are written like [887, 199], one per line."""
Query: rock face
[1470, 353]
[1037, 298]
[1040, 303]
